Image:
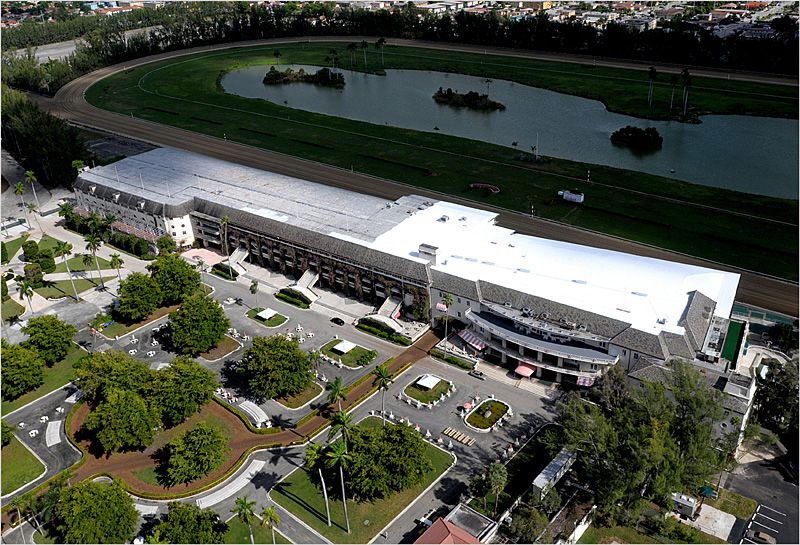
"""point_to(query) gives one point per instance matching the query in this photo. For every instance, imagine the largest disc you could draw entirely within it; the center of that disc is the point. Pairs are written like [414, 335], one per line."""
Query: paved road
[69, 103]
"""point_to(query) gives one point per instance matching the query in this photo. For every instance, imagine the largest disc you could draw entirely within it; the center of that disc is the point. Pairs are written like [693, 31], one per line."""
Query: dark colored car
[337, 321]
[477, 374]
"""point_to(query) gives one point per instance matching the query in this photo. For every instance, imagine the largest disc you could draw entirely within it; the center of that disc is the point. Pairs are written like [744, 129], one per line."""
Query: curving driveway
[69, 103]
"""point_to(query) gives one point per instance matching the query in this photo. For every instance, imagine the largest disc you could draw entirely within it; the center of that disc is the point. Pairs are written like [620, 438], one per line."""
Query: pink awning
[441, 306]
[467, 406]
[525, 370]
[585, 381]
[471, 339]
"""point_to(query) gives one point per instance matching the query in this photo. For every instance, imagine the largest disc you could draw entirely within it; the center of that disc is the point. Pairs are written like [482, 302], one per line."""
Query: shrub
[3, 253]
[30, 251]
[194, 454]
[46, 261]
[452, 360]
[224, 271]
[34, 275]
[291, 300]
[5, 288]
[381, 332]
[296, 295]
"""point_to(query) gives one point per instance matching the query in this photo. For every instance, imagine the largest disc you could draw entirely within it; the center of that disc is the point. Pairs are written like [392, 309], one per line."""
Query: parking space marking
[768, 518]
[771, 509]
[52, 435]
[765, 526]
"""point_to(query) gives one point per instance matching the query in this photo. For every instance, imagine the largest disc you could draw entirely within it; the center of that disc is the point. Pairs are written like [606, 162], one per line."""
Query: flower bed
[477, 420]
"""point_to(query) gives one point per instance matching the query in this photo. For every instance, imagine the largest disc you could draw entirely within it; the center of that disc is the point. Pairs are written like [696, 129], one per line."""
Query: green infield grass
[19, 466]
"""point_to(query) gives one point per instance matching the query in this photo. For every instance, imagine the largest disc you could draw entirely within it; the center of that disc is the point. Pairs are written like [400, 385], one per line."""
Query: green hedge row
[224, 271]
[292, 300]
[452, 360]
[392, 337]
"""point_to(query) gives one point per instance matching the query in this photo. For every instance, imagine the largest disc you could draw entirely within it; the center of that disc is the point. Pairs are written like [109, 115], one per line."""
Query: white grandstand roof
[637, 290]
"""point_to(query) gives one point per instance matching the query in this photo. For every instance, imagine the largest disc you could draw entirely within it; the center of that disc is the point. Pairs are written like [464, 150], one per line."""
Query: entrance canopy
[428, 381]
[266, 314]
[344, 347]
[525, 369]
[472, 339]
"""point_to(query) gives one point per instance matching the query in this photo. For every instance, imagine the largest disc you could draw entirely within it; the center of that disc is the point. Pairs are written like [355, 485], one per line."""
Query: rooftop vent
[640, 294]
[116, 197]
[526, 311]
[92, 188]
[462, 218]
[141, 205]
[662, 321]
[582, 327]
[523, 270]
[544, 316]
[507, 304]
[579, 281]
[444, 218]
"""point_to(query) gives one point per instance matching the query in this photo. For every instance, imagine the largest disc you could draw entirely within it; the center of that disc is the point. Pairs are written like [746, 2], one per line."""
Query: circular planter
[481, 408]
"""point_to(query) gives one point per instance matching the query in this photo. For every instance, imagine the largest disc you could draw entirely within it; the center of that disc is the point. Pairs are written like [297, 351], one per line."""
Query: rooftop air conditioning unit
[444, 218]
[544, 316]
[526, 311]
[582, 327]
[507, 304]
[662, 321]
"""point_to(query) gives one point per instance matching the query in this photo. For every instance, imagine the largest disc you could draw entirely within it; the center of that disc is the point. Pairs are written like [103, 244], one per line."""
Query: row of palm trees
[333, 56]
[243, 508]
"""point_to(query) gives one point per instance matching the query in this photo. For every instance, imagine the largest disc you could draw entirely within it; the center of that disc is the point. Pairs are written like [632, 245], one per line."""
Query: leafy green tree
[199, 325]
[122, 421]
[176, 278]
[526, 525]
[611, 391]
[776, 397]
[783, 336]
[90, 512]
[101, 372]
[195, 454]
[479, 487]
[382, 381]
[497, 477]
[46, 261]
[8, 433]
[550, 503]
[30, 251]
[243, 509]
[34, 275]
[187, 523]
[336, 392]
[3, 253]
[166, 245]
[275, 367]
[139, 295]
[49, 337]
[22, 370]
[181, 389]
[270, 519]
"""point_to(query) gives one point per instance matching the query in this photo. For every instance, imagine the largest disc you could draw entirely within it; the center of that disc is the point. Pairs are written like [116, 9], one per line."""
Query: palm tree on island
[64, 250]
[314, 454]
[337, 456]
[117, 263]
[243, 509]
[336, 394]
[93, 243]
[382, 381]
[270, 519]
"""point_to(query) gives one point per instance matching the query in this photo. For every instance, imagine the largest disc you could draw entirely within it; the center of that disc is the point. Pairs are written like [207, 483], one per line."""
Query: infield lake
[744, 153]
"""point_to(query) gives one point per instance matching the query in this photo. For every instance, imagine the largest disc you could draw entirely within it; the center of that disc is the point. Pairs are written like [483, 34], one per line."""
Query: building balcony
[566, 351]
[543, 365]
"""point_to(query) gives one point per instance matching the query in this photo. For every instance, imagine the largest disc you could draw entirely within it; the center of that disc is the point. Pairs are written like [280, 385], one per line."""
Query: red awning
[525, 369]
[585, 381]
[471, 339]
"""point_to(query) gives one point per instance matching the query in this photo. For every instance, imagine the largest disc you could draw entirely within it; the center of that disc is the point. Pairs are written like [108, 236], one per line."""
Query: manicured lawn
[426, 396]
[238, 533]
[225, 347]
[642, 207]
[298, 494]
[19, 466]
[11, 309]
[13, 245]
[56, 376]
[76, 265]
[737, 505]
[46, 539]
[275, 321]
[63, 288]
[48, 243]
[479, 421]
[149, 476]
[117, 329]
[614, 534]
[350, 359]
[302, 398]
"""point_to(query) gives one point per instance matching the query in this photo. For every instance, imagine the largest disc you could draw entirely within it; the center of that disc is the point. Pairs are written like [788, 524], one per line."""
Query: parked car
[477, 374]
[760, 537]
[337, 321]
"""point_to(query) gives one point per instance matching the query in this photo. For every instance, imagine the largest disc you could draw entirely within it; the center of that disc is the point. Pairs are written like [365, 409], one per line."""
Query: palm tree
[498, 477]
[108, 223]
[379, 45]
[202, 266]
[314, 453]
[673, 80]
[95, 223]
[341, 422]
[65, 210]
[86, 259]
[651, 74]
[254, 290]
[30, 178]
[687, 82]
[117, 263]
[243, 509]
[364, 46]
[64, 250]
[337, 456]
[270, 519]
[447, 300]
[336, 392]
[78, 165]
[382, 381]
[25, 290]
[351, 48]
[32, 208]
[16, 503]
[93, 243]
[224, 224]
[19, 189]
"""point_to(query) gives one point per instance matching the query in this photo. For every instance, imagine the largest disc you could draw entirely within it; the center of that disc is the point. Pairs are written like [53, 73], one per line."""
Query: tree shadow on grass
[285, 489]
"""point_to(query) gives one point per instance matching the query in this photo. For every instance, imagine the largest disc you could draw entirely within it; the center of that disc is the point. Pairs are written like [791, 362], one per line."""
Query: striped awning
[441, 306]
[471, 339]
[525, 369]
[585, 381]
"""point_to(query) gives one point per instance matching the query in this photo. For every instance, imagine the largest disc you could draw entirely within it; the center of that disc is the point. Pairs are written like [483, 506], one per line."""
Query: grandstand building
[550, 309]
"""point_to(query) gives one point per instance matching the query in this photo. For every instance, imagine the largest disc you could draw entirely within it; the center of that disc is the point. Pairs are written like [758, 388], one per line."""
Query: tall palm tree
[382, 381]
[341, 422]
[673, 80]
[498, 477]
[16, 503]
[108, 223]
[32, 208]
[337, 456]
[25, 290]
[224, 224]
[254, 290]
[243, 509]
[336, 394]
[364, 46]
[86, 259]
[351, 48]
[93, 243]
[64, 250]
[447, 300]
[19, 189]
[65, 210]
[117, 263]
[314, 453]
[270, 519]
[686, 78]
[651, 75]
[30, 178]
[379, 45]
[202, 266]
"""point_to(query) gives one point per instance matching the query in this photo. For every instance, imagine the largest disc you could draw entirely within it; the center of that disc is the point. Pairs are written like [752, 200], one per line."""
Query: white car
[151, 353]
[230, 301]
[133, 352]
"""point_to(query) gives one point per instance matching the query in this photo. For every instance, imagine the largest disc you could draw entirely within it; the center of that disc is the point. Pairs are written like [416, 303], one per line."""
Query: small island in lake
[471, 100]
[323, 76]
[637, 139]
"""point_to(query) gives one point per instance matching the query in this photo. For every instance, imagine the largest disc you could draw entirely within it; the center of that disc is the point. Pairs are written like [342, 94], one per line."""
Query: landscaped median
[274, 320]
[299, 494]
[355, 356]
[225, 347]
[381, 331]
[293, 297]
[299, 400]
[118, 329]
[19, 466]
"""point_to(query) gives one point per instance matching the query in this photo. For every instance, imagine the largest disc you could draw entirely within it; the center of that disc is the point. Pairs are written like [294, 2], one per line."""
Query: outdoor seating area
[460, 437]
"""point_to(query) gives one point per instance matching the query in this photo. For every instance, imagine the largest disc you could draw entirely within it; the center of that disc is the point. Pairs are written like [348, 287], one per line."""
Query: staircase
[308, 279]
[238, 255]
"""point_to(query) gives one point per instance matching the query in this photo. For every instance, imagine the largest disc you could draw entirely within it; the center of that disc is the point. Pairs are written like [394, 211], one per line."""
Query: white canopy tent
[266, 314]
[428, 381]
[344, 347]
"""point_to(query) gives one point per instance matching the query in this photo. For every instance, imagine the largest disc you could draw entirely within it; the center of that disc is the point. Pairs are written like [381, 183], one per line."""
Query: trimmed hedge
[225, 272]
[382, 333]
[292, 300]
[452, 360]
